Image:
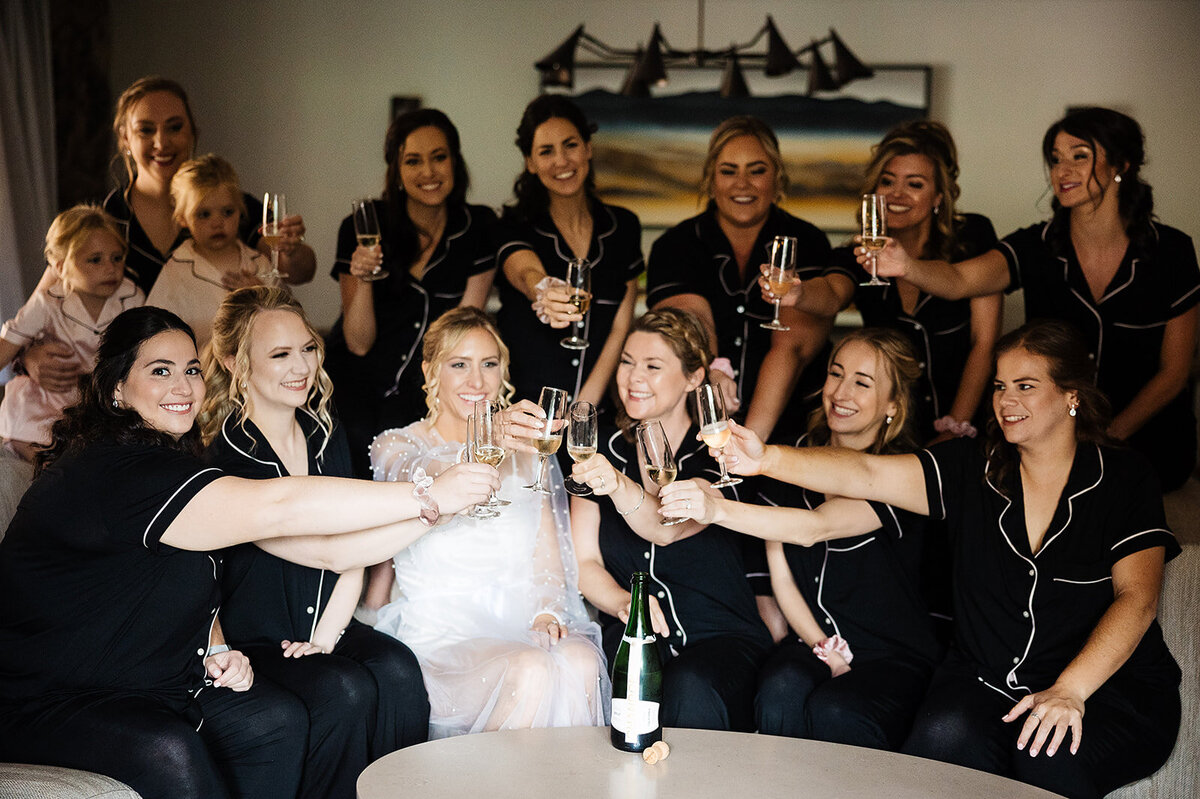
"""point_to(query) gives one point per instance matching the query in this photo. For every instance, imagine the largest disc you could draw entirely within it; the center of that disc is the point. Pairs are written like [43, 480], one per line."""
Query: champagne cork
[659, 751]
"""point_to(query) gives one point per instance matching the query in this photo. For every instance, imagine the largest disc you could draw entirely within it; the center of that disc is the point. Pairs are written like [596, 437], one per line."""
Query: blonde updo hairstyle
[731, 129]
[70, 230]
[125, 103]
[198, 178]
[899, 363]
[685, 335]
[446, 333]
[233, 329]
[932, 140]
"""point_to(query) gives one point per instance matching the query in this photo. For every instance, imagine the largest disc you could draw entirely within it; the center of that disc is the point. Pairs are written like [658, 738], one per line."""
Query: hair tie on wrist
[948, 424]
[429, 507]
[722, 365]
[834, 643]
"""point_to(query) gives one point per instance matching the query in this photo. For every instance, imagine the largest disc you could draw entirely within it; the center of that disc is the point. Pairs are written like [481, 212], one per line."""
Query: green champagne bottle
[637, 677]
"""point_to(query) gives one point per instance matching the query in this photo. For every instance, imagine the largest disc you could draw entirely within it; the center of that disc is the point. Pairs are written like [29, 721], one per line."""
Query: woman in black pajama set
[558, 217]
[1050, 619]
[710, 265]
[703, 609]
[850, 591]
[439, 253]
[1129, 284]
[109, 648]
[363, 690]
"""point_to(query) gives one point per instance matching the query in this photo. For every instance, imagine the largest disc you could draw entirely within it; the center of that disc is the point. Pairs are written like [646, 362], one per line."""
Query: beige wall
[296, 93]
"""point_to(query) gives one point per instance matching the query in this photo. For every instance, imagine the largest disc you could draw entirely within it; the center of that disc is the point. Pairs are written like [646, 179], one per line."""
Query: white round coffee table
[579, 763]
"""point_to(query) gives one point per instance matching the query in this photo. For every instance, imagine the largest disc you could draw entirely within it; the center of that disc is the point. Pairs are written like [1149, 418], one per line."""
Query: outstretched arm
[983, 274]
[897, 480]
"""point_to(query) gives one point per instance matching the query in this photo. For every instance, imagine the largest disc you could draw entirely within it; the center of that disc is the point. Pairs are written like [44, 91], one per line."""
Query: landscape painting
[649, 152]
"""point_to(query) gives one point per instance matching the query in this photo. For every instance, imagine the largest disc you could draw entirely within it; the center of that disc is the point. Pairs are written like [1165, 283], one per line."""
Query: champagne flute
[581, 440]
[779, 275]
[553, 401]
[366, 232]
[714, 427]
[480, 511]
[579, 284]
[658, 458]
[486, 438]
[274, 210]
[874, 232]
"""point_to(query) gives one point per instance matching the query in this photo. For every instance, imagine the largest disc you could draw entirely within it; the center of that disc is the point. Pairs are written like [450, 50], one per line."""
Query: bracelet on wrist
[217, 649]
[547, 612]
[429, 507]
[635, 508]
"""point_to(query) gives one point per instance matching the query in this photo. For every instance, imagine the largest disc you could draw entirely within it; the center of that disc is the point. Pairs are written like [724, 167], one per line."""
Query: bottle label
[649, 639]
[634, 717]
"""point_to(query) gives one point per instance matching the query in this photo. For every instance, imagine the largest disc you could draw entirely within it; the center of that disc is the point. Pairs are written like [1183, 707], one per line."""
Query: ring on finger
[1036, 716]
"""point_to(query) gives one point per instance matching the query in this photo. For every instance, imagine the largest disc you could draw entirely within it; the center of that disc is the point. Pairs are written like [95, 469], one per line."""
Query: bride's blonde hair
[446, 333]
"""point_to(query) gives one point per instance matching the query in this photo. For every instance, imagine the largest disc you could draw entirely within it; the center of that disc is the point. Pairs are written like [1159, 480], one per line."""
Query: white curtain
[27, 164]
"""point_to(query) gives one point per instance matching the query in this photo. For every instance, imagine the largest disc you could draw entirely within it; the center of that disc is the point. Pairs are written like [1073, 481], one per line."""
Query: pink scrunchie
[948, 424]
[834, 643]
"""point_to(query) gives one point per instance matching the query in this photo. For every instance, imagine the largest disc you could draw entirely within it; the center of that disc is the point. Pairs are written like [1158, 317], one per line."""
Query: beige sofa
[51, 782]
[1179, 612]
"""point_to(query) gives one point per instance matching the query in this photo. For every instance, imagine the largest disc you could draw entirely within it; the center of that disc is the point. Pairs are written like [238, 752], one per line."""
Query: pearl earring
[1117, 179]
[116, 404]
[888, 420]
[1072, 412]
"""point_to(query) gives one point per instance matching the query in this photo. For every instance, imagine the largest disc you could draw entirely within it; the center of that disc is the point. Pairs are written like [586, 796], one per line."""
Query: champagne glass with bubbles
[581, 440]
[487, 440]
[579, 287]
[780, 272]
[553, 402]
[366, 232]
[714, 427]
[658, 458]
[274, 210]
[480, 511]
[874, 232]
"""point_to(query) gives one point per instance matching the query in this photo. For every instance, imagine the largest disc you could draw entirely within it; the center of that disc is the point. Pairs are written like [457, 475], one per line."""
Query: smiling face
[1029, 406]
[910, 186]
[158, 135]
[283, 362]
[213, 220]
[560, 157]
[471, 371]
[857, 396]
[744, 183]
[164, 384]
[1079, 174]
[95, 270]
[427, 167]
[650, 378]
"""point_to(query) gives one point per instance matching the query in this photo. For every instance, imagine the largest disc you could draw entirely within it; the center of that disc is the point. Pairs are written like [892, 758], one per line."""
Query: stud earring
[1117, 179]
[936, 208]
[888, 420]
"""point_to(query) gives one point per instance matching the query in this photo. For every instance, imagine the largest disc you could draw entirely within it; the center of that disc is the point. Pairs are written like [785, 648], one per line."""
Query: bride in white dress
[491, 607]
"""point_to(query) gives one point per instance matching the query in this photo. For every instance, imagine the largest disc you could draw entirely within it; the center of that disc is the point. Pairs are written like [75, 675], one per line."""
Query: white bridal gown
[469, 591]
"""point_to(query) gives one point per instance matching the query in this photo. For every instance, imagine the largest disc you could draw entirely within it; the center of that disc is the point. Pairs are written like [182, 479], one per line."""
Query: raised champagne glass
[874, 232]
[480, 511]
[714, 427]
[487, 440]
[274, 210]
[780, 272]
[579, 287]
[658, 458]
[581, 440]
[553, 402]
[366, 232]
